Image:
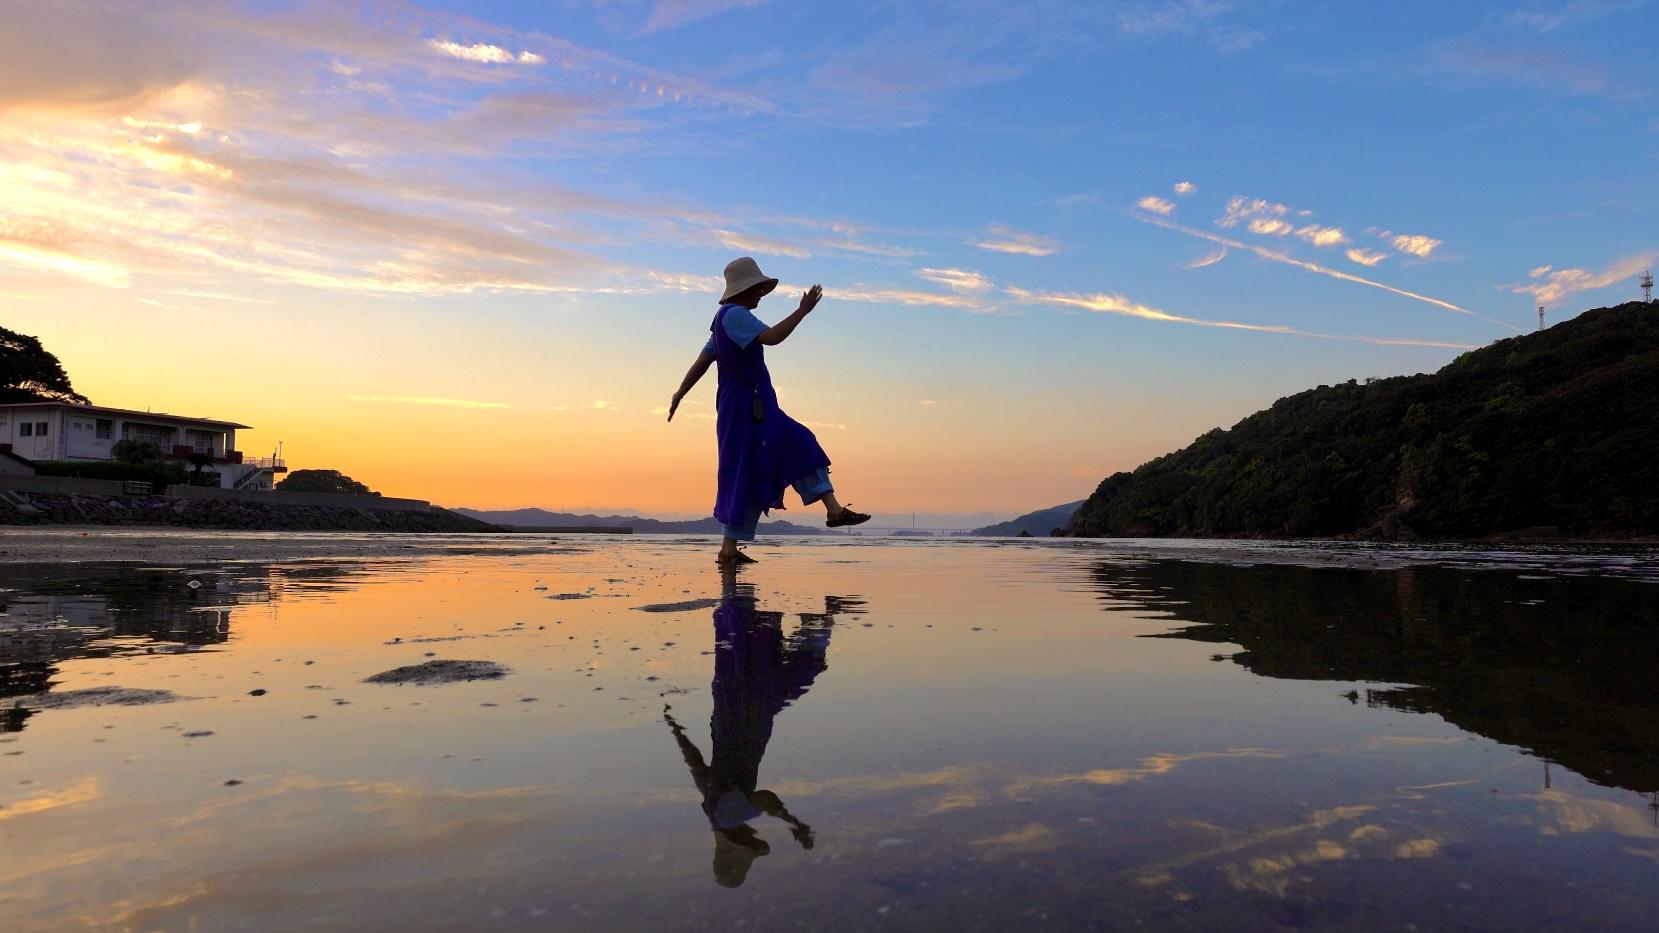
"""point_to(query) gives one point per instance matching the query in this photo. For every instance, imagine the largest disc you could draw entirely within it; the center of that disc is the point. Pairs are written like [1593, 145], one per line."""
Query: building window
[40, 428]
[105, 429]
[26, 429]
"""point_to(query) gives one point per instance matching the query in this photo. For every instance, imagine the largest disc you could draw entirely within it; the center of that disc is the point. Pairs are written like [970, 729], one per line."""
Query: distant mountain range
[1038, 524]
[1546, 434]
[541, 518]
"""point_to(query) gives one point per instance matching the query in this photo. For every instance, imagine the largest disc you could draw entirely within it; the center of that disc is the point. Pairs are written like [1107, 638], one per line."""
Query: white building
[43, 431]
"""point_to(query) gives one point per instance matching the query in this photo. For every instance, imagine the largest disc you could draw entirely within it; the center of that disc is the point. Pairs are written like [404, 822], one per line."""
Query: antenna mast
[1540, 316]
[1647, 287]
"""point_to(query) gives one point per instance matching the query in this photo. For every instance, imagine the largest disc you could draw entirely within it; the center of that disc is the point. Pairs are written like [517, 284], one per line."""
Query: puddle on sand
[941, 734]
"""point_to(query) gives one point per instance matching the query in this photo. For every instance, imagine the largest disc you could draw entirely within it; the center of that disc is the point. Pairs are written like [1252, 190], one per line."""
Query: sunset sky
[465, 252]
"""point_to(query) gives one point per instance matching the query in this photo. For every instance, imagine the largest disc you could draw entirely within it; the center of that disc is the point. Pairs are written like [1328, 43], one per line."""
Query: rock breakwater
[31, 508]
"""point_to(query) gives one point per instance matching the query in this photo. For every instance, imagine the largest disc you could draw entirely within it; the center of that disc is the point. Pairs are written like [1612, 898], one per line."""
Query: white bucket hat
[743, 274]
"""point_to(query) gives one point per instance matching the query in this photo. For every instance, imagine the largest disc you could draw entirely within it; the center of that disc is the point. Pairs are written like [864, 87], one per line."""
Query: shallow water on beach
[851, 734]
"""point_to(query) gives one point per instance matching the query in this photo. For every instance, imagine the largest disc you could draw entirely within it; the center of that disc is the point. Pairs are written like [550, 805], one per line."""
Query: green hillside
[1557, 429]
[1038, 524]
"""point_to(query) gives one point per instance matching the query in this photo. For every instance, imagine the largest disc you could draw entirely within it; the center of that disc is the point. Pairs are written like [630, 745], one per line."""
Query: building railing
[274, 464]
[186, 451]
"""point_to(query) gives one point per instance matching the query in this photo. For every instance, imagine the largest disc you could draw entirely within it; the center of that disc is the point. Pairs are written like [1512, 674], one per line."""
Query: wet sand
[102, 544]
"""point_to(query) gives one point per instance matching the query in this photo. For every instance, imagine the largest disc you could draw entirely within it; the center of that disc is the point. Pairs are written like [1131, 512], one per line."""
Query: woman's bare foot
[734, 556]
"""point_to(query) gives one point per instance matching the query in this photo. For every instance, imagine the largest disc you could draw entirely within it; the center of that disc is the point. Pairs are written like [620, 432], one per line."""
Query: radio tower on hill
[1540, 315]
[1647, 287]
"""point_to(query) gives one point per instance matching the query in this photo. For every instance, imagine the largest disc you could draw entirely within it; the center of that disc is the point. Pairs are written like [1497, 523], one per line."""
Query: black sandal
[846, 517]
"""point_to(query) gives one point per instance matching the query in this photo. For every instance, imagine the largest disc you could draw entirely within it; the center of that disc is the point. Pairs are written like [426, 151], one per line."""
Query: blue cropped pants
[810, 488]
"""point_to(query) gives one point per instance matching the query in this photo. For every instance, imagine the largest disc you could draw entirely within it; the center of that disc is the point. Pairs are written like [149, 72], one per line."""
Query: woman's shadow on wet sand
[758, 670]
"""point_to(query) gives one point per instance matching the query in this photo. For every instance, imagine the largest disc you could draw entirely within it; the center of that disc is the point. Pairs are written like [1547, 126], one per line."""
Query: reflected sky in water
[850, 734]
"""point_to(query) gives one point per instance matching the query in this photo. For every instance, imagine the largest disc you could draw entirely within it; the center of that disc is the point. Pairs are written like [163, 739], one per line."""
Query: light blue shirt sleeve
[741, 325]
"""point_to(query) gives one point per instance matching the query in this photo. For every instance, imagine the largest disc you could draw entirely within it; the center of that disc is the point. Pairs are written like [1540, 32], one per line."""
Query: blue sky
[1029, 219]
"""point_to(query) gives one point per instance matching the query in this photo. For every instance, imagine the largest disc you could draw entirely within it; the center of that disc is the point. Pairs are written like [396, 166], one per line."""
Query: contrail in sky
[1276, 256]
[1118, 304]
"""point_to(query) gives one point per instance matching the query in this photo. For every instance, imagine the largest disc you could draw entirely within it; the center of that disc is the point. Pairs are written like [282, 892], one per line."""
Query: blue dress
[759, 459]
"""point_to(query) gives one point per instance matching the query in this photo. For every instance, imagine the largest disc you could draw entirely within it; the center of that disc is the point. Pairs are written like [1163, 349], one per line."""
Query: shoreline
[88, 544]
[162, 544]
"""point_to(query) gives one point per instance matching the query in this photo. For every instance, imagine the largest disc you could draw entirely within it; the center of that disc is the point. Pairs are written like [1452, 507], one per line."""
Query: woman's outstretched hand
[673, 406]
[809, 298]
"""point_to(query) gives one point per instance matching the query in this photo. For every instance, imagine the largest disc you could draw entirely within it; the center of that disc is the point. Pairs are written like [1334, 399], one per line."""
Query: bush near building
[158, 473]
[332, 481]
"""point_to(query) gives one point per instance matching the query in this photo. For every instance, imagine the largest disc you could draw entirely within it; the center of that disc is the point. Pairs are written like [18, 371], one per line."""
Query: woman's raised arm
[779, 332]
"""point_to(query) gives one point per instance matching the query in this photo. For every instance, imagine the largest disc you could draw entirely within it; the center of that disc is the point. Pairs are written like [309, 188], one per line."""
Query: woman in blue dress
[762, 450]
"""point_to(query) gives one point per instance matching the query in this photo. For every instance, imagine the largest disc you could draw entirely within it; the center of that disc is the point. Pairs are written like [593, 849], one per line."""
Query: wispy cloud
[221, 296]
[1270, 218]
[1001, 239]
[927, 403]
[1322, 237]
[1550, 285]
[1184, 188]
[750, 243]
[426, 400]
[1208, 259]
[1544, 17]
[1104, 303]
[961, 281]
[485, 53]
[1365, 257]
[904, 296]
[231, 145]
[1204, 19]
[1156, 205]
[1537, 66]
[1279, 257]
[40, 257]
[672, 14]
[851, 245]
[1412, 244]
[1241, 209]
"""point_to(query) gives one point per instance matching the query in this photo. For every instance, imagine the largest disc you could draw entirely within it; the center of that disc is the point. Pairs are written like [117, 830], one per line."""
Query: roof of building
[125, 412]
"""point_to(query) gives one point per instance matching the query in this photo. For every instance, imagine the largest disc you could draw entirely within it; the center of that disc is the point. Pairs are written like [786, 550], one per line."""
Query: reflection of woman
[762, 450]
[757, 672]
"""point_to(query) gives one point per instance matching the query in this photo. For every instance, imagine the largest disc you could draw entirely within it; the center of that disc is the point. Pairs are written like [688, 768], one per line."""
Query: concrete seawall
[62, 485]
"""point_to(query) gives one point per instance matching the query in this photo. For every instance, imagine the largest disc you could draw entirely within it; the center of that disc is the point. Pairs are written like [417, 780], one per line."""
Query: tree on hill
[323, 481]
[1555, 429]
[30, 373]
